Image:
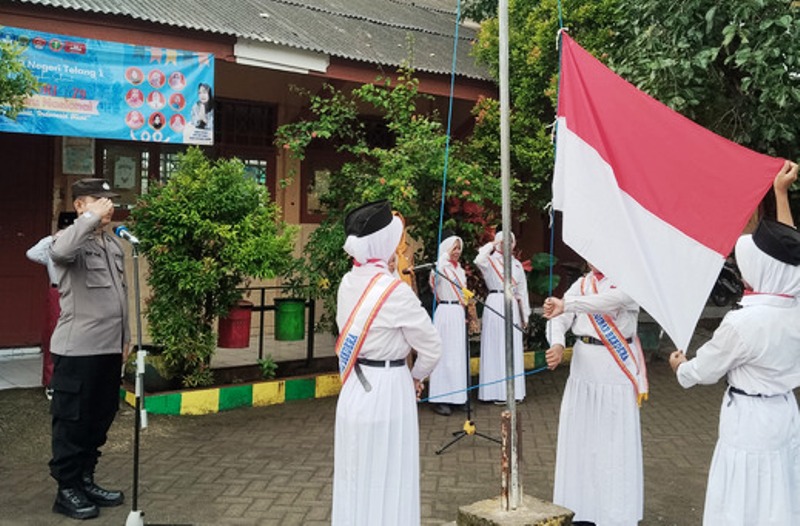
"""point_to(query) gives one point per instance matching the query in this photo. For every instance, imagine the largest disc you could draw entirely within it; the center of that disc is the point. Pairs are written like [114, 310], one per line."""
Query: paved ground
[273, 465]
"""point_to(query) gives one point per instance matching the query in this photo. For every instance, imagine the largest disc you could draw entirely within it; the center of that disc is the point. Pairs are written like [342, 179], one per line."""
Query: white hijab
[498, 238]
[378, 245]
[764, 273]
[446, 246]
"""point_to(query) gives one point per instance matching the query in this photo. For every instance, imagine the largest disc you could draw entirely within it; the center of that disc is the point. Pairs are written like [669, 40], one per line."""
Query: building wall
[232, 81]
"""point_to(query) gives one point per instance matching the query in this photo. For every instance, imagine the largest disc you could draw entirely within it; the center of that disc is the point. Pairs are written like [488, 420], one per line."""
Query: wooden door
[26, 184]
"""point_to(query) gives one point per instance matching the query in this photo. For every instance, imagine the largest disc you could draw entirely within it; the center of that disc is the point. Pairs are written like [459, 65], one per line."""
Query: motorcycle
[728, 288]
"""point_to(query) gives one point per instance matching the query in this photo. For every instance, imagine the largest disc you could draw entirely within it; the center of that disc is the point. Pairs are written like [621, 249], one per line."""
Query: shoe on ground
[105, 498]
[48, 392]
[499, 402]
[442, 409]
[74, 503]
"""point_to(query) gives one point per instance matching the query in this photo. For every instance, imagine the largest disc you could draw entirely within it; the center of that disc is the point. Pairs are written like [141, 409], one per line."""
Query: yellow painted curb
[269, 393]
[200, 402]
[328, 385]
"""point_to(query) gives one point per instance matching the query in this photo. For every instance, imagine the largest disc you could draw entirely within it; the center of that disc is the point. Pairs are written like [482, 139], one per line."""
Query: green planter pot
[290, 319]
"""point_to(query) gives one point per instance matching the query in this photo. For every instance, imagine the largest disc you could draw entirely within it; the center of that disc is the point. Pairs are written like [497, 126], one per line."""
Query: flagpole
[511, 486]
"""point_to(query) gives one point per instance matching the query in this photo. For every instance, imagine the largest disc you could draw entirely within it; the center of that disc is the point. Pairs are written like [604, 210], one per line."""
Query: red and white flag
[653, 200]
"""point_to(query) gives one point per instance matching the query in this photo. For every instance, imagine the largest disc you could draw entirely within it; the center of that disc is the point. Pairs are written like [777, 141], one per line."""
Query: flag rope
[526, 373]
[449, 128]
[447, 148]
[551, 209]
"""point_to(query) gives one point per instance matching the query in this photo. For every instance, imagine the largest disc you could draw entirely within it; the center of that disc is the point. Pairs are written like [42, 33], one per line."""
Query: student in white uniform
[493, 348]
[599, 473]
[754, 478]
[449, 378]
[376, 449]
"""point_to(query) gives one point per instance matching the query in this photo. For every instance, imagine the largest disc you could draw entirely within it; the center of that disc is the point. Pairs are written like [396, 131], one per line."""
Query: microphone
[123, 232]
[424, 266]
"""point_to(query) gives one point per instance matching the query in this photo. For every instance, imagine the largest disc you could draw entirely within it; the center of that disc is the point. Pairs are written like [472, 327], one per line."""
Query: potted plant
[204, 232]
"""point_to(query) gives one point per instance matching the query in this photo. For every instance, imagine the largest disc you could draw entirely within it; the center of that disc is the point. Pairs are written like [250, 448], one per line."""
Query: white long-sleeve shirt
[608, 300]
[757, 346]
[488, 259]
[40, 253]
[401, 324]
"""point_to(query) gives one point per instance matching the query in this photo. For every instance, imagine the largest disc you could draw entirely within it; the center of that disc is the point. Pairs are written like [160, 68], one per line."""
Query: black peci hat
[778, 240]
[92, 187]
[368, 219]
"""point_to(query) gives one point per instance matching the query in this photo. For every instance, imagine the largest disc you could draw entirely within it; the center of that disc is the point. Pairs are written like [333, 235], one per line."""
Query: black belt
[449, 302]
[736, 390]
[595, 341]
[381, 363]
[495, 292]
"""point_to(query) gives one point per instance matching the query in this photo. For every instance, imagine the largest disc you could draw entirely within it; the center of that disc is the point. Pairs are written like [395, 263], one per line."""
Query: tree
[533, 62]
[17, 82]
[733, 67]
[407, 168]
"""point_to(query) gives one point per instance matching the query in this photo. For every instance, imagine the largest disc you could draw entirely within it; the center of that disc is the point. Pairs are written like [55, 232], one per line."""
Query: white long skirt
[376, 451]
[599, 473]
[450, 374]
[493, 353]
[754, 479]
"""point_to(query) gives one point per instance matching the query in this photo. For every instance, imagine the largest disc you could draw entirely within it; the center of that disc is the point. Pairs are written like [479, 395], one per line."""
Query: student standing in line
[493, 349]
[376, 448]
[40, 253]
[450, 375]
[754, 478]
[599, 469]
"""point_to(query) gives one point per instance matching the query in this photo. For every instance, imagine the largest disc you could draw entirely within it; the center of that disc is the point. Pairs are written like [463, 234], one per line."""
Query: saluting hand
[100, 207]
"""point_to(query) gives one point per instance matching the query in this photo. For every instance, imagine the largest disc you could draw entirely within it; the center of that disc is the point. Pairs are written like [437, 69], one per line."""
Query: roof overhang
[272, 56]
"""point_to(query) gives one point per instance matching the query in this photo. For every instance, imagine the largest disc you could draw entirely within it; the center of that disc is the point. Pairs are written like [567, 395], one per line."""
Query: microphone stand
[469, 428]
[136, 516]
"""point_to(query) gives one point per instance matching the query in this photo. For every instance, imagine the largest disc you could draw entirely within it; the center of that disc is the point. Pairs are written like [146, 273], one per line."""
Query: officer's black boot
[105, 498]
[73, 502]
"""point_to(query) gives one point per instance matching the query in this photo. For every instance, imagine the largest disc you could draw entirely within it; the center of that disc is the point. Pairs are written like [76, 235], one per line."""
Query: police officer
[87, 345]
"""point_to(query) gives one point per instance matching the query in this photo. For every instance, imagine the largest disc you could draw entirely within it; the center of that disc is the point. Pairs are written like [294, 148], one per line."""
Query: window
[168, 163]
[315, 178]
[242, 129]
[126, 167]
[245, 124]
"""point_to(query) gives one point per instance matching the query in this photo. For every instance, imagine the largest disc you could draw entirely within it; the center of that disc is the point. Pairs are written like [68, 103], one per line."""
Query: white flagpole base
[135, 518]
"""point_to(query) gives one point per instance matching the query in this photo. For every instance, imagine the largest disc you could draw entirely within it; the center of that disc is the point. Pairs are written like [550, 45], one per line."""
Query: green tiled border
[206, 401]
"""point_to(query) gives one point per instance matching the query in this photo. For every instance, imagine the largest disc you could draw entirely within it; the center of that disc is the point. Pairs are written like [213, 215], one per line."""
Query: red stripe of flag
[702, 184]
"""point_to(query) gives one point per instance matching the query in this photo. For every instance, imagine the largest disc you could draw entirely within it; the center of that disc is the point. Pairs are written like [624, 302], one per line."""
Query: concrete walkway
[273, 465]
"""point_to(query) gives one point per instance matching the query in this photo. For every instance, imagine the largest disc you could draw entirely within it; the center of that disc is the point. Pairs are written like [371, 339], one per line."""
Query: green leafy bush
[204, 233]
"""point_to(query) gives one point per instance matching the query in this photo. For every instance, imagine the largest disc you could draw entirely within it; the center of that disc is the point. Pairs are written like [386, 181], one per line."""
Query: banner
[108, 90]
